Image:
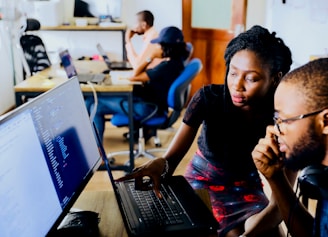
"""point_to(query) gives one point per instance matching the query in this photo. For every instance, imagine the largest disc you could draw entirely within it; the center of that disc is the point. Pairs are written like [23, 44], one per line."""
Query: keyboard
[158, 211]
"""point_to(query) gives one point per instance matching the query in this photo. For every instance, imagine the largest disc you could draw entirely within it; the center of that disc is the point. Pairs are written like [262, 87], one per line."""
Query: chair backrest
[180, 89]
[34, 49]
[190, 49]
[176, 99]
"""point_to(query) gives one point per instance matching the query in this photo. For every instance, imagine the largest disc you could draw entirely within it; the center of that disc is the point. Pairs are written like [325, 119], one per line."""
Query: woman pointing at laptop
[233, 117]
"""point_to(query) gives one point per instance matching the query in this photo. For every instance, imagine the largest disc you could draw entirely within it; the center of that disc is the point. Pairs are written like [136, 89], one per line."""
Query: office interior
[302, 24]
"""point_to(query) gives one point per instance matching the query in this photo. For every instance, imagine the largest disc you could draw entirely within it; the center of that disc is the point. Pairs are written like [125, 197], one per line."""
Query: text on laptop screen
[48, 152]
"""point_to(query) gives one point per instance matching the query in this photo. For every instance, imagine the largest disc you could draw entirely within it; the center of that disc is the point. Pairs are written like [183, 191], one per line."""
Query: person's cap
[169, 35]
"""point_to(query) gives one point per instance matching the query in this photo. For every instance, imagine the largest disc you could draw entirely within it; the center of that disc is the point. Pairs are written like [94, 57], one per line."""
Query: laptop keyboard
[156, 211]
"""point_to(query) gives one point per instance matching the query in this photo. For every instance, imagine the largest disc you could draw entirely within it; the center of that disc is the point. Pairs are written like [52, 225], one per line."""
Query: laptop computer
[71, 71]
[180, 212]
[47, 158]
[113, 65]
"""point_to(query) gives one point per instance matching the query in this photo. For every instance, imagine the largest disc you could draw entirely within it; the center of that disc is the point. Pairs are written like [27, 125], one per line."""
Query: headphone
[313, 182]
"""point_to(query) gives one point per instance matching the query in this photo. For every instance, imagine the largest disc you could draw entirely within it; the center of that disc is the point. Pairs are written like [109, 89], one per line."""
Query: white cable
[95, 97]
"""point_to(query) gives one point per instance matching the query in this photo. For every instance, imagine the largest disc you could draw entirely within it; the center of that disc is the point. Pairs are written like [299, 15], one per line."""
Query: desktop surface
[104, 202]
[55, 75]
[108, 27]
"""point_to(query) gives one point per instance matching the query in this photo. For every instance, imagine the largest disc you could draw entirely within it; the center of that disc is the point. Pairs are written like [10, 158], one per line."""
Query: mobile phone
[281, 154]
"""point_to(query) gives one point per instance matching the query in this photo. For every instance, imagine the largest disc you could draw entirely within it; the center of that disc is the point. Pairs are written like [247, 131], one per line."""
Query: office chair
[190, 49]
[34, 50]
[177, 98]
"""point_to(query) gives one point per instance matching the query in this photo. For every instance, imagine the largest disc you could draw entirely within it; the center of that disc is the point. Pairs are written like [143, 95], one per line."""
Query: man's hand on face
[129, 34]
[266, 155]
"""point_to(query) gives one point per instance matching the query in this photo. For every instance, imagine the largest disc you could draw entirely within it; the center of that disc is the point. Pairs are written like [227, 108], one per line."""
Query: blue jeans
[112, 105]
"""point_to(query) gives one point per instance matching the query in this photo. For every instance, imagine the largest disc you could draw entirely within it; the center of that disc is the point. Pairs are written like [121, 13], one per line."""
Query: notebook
[47, 157]
[71, 71]
[115, 65]
[181, 212]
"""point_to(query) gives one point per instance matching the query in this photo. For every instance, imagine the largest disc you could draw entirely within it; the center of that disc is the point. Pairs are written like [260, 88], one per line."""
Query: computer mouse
[83, 224]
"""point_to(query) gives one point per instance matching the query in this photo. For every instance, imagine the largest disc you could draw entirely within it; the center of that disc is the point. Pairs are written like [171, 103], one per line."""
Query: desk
[104, 202]
[40, 83]
[115, 27]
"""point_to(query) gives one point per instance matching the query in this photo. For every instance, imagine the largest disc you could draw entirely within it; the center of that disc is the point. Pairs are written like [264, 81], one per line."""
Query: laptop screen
[67, 62]
[48, 152]
[104, 56]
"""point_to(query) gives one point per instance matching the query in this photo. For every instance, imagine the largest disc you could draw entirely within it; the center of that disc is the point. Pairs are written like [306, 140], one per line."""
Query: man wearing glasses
[298, 140]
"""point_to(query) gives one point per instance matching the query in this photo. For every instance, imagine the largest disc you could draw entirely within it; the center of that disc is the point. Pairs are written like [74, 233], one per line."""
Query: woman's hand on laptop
[148, 175]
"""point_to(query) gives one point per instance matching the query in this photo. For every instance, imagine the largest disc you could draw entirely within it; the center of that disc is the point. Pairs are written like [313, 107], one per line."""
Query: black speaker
[313, 182]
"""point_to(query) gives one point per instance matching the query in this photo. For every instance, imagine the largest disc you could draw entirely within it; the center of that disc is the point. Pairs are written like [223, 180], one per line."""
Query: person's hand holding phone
[266, 155]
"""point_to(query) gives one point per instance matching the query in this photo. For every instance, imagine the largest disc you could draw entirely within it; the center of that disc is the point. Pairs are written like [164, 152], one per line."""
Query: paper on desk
[122, 77]
[57, 72]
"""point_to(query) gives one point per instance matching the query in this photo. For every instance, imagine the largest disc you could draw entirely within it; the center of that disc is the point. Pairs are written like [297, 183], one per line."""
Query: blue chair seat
[122, 120]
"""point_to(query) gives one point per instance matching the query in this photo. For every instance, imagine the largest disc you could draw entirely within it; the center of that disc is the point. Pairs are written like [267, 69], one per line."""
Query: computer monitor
[97, 8]
[48, 153]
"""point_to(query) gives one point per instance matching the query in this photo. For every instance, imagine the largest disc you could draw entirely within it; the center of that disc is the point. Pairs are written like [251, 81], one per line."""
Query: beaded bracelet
[166, 169]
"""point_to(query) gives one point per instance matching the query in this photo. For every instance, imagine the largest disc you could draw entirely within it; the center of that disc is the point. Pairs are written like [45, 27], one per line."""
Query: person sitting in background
[298, 140]
[144, 26]
[233, 117]
[156, 81]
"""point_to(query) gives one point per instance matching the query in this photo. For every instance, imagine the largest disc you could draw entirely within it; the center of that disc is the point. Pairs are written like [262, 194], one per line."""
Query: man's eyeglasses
[278, 121]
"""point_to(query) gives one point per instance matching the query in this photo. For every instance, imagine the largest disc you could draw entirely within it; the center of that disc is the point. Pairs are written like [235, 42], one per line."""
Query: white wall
[7, 73]
[302, 24]
[256, 13]
[9, 32]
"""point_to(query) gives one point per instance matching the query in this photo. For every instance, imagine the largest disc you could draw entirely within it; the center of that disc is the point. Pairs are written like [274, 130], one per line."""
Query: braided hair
[266, 45]
[270, 49]
[273, 53]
